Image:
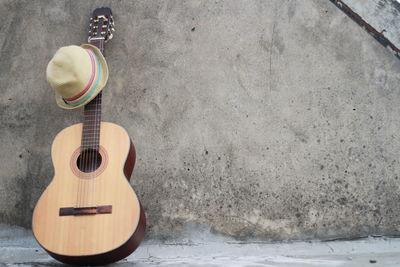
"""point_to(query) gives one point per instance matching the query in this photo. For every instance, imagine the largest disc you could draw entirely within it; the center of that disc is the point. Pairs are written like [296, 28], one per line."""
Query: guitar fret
[91, 124]
[94, 104]
[91, 127]
[89, 144]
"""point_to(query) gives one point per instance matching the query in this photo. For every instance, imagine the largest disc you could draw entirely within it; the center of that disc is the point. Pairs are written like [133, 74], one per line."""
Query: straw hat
[77, 74]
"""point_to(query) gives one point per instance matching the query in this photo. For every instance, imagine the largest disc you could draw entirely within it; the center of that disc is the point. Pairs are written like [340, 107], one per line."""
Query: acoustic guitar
[89, 214]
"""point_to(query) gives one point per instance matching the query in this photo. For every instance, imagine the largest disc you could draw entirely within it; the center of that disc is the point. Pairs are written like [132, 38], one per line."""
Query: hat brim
[102, 80]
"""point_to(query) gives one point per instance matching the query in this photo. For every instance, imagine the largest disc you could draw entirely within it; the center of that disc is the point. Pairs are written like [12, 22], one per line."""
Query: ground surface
[204, 249]
[262, 119]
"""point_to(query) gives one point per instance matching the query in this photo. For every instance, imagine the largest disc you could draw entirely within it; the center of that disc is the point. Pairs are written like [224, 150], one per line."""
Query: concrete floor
[204, 248]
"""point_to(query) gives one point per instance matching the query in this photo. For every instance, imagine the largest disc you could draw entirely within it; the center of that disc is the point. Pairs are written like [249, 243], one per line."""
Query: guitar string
[91, 150]
[97, 138]
[82, 165]
[92, 145]
[95, 151]
[93, 155]
[81, 155]
[96, 145]
[97, 129]
[86, 155]
[101, 99]
[79, 178]
[90, 154]
[87, 143]
[87, 158]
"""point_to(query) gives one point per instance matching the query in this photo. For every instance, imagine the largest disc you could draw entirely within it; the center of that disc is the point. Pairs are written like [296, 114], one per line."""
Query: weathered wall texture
[383, 15]
[270, 119]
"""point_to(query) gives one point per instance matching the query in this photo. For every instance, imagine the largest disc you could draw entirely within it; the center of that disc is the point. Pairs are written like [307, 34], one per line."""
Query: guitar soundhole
[89, 160]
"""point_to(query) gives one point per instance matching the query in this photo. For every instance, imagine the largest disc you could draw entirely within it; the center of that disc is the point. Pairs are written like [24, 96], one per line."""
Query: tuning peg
[113, 29]
[109, 37]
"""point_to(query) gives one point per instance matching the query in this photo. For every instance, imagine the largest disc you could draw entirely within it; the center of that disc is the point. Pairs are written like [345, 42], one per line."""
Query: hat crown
[69, 71]
[77, 75]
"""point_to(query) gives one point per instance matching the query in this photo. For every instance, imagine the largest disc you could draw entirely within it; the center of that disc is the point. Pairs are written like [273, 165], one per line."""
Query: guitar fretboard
[91, 124]
[92, 115]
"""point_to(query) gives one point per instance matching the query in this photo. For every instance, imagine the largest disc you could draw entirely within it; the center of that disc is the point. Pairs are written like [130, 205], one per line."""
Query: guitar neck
[99, 43]
[92, 114]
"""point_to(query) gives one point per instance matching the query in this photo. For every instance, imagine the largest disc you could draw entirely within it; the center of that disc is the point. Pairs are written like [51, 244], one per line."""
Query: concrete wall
[383, 15]
[269, 119]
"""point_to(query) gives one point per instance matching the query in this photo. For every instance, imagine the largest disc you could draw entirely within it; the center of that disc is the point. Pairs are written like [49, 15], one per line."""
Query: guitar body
[66, 222]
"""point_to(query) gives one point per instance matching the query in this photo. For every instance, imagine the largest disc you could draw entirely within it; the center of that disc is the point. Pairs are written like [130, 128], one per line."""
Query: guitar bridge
[71, 211]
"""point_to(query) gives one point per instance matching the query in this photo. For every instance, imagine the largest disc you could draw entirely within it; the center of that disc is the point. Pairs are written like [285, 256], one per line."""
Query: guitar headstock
[101, 25]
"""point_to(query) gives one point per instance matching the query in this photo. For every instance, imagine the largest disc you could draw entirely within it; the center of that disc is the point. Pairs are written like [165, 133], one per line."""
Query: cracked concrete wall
[268, 119]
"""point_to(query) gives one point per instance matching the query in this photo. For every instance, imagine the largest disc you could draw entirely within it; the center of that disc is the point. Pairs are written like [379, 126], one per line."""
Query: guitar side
[97, 238]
